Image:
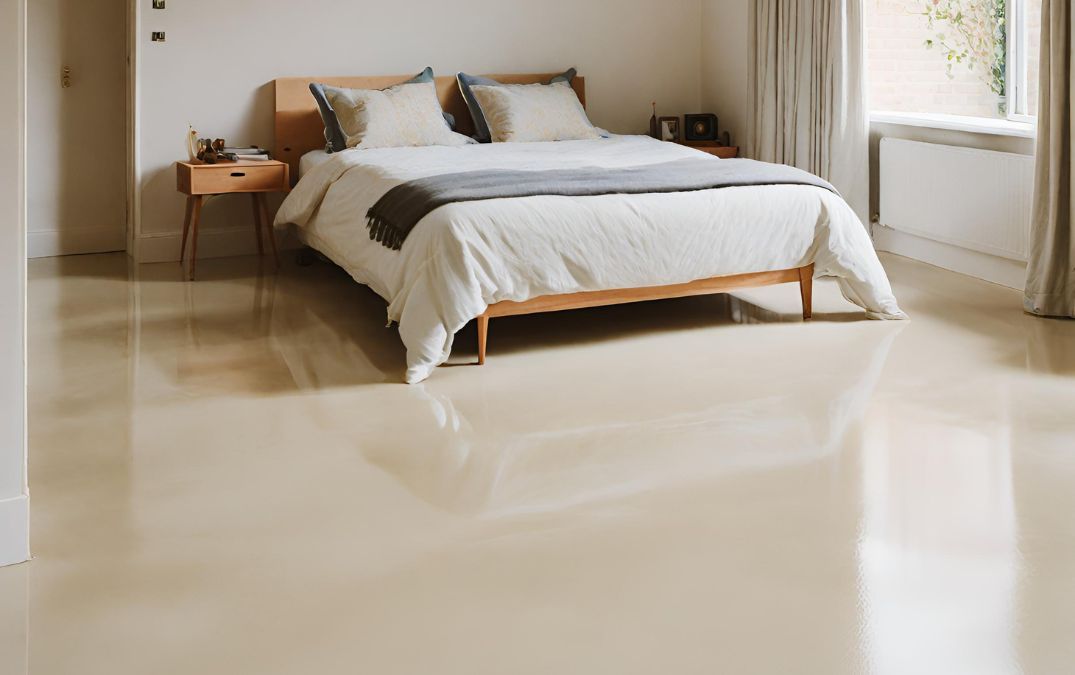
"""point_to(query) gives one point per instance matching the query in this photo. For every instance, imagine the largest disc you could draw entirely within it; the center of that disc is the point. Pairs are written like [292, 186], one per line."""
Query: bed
[479, 260]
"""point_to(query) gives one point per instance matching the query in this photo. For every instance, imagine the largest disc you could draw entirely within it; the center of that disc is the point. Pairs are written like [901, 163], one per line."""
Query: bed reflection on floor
[496, 442]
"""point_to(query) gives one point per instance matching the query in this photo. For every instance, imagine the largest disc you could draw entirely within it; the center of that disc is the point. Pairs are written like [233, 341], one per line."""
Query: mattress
[463, 257]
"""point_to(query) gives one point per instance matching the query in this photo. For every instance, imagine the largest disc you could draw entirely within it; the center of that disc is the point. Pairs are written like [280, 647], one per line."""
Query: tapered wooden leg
[186, 229]
[257, 221]
[196, 216]
[806, 290]
[483, 336]
[268, 224]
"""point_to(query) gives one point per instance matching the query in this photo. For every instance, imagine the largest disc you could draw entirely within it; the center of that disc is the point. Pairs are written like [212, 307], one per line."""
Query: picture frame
[700, 127]
[668, 128]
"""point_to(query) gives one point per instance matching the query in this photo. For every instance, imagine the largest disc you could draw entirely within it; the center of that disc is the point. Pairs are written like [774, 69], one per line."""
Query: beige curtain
[1050, 282]
[809, 91]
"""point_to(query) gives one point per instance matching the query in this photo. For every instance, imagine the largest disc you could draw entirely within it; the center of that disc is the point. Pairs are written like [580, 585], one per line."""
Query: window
[975, 58]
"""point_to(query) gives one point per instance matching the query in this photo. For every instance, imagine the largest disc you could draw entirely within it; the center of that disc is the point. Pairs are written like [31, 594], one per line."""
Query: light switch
[158, 4]
[157, 36]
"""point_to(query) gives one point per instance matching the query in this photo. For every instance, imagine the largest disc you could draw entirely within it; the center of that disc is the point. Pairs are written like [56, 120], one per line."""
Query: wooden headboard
[298, 123]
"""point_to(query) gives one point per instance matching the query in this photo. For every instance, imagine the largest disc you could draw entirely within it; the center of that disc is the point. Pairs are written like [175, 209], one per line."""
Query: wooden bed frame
[554, 303]
[299, 130]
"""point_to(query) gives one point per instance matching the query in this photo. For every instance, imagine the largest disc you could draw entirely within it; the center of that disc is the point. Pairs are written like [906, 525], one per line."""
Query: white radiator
[975, 199]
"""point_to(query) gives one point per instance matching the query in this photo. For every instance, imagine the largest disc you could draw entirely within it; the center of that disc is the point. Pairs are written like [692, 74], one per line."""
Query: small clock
[701, 127]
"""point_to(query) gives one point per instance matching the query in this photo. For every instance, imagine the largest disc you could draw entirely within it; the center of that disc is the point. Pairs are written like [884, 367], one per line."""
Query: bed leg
[483, 336]
[806, 290]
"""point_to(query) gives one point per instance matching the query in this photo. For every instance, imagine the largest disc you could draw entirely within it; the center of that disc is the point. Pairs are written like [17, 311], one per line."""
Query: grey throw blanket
[395, 214]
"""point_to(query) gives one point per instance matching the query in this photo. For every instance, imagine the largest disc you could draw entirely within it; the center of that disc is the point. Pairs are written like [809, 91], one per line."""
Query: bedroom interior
[794, 399]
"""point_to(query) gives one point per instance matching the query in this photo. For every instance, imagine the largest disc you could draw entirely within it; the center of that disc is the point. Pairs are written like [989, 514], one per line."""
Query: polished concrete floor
[227, 477]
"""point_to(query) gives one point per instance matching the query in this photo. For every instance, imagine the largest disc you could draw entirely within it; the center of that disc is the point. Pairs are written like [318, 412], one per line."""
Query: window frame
[1017, 75]
[1016, 122]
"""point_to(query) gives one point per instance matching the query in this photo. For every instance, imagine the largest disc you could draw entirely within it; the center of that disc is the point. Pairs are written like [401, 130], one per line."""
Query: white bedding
[311, 159]
[463, 257]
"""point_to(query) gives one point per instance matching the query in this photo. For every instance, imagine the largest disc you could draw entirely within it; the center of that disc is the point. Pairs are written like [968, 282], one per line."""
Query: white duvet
[463, 257]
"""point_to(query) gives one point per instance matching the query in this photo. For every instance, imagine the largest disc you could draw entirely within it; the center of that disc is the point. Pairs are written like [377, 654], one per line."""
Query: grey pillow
[481, 127]
[335, 139]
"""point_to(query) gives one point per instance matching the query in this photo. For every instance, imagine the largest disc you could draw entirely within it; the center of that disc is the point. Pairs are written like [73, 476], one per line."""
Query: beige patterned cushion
[533, 112]
[400, 116]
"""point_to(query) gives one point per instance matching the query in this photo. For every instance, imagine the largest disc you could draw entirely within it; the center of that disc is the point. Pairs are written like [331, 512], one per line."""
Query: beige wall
[725, 58]
[631, 52]
[77, 171]
[13, 503]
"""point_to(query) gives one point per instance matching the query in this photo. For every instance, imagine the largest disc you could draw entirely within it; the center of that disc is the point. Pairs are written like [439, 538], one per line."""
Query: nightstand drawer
[212, 179]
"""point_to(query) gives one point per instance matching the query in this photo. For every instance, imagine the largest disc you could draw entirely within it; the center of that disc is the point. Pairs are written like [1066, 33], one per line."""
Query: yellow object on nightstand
[198, 181]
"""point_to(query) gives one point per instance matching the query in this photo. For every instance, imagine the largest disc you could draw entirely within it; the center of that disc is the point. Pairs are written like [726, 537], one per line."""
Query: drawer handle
[237, 174]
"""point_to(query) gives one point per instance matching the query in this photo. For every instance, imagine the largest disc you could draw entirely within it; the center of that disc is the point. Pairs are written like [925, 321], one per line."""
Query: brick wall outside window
[905, 76]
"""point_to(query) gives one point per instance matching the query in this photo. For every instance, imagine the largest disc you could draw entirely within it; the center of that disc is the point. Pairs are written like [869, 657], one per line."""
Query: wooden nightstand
[254, 178]
[713, 148]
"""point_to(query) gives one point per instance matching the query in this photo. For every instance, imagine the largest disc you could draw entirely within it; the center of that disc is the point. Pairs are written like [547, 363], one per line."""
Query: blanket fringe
[383, 232]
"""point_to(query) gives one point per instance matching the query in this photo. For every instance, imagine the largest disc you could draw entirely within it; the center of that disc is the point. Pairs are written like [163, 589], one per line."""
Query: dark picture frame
[668, 129]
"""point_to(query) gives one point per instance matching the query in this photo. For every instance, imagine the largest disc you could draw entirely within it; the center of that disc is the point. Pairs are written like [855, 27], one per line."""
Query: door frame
[57, 239]
[134, 163]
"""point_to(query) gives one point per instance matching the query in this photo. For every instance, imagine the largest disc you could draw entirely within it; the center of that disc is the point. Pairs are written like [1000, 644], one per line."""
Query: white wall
[726, 88]
[13, 496]
[77, 172]
[631, 52]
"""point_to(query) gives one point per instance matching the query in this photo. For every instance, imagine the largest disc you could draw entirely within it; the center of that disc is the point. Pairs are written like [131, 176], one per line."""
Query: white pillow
[400, 116]
[519, 113]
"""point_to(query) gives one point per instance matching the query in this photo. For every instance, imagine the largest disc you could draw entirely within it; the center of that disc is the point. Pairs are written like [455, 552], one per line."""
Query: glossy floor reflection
[227, 477]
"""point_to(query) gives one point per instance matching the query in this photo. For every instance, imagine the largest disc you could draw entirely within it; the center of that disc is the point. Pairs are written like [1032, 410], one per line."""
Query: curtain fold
[1050, 283]
[809, 91]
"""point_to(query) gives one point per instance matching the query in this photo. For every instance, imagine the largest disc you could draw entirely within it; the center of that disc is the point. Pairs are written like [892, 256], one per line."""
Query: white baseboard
[1003, 271]
[48, 243]
[14, 530]
[219, 243]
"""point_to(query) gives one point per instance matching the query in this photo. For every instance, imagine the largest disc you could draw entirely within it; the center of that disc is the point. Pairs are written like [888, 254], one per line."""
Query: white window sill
[976, 125]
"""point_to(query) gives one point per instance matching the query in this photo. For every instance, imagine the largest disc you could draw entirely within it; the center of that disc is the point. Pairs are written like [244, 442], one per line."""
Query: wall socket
[158, 4]
[157, 36]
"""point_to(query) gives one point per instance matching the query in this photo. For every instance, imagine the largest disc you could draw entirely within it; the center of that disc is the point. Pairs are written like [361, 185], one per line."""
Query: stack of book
[252, 154]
